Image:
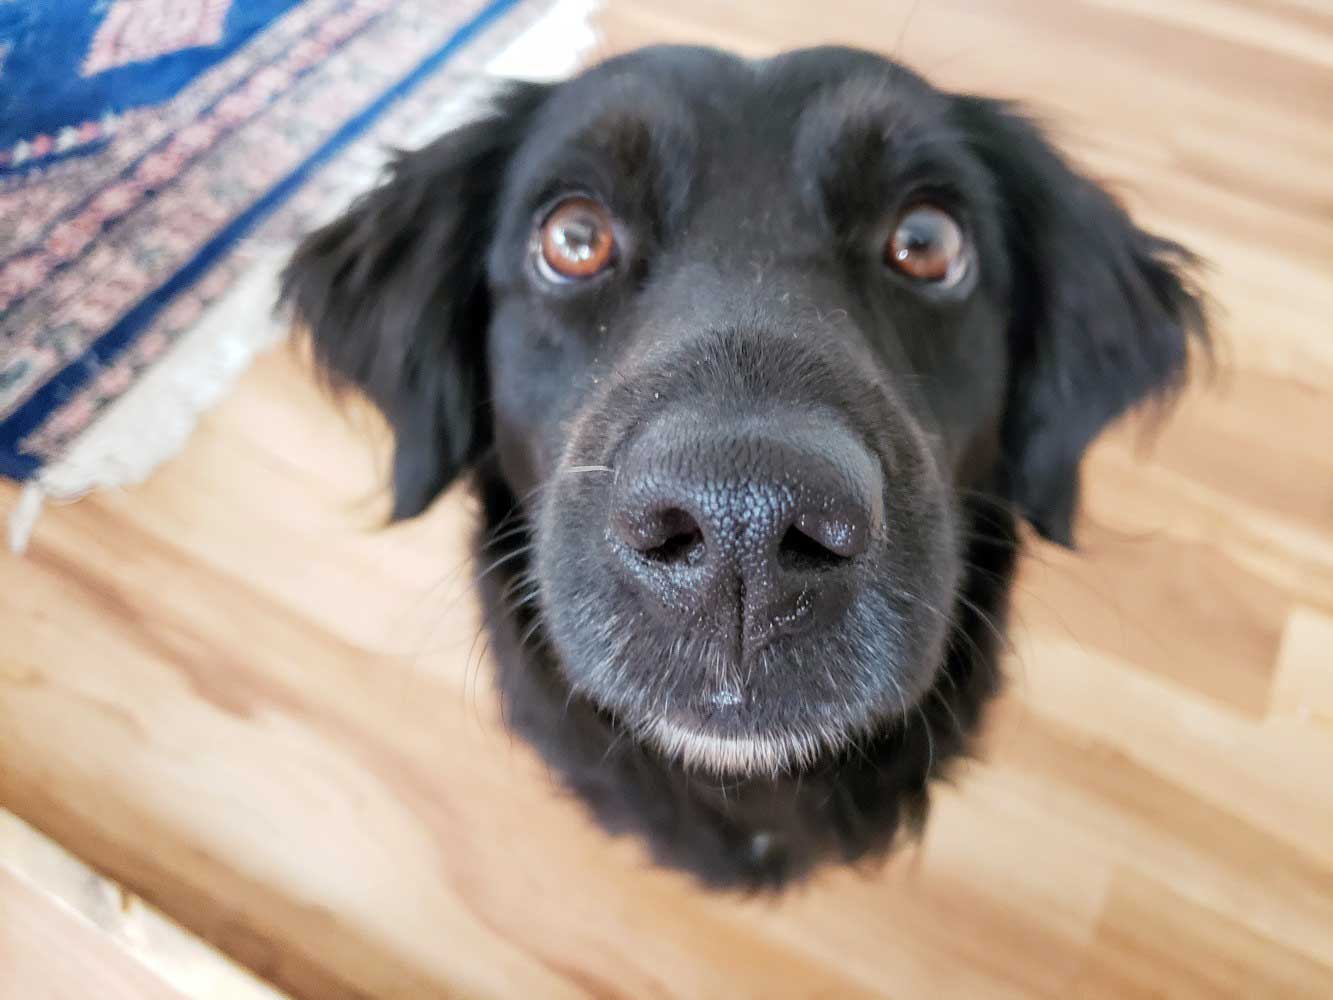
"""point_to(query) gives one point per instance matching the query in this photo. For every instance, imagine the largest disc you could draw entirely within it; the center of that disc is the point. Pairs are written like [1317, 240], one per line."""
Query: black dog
[754, 366]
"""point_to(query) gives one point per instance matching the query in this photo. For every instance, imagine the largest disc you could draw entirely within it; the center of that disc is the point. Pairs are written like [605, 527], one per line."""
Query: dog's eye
[927, 244]
[576, 240]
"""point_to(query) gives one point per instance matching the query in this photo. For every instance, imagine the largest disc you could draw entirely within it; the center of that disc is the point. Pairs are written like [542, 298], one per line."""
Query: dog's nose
[753, 529]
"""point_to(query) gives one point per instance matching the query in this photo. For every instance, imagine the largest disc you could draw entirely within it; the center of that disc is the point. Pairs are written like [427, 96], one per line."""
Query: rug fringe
[153, 421]
[24, 516]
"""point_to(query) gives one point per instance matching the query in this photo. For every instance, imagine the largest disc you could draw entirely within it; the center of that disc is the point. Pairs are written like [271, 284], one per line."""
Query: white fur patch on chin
[734, 756]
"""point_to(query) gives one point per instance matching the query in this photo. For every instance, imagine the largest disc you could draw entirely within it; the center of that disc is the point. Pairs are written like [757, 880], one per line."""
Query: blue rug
[144, 142]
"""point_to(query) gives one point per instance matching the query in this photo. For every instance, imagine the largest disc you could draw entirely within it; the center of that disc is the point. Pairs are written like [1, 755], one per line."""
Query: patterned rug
[154, 154]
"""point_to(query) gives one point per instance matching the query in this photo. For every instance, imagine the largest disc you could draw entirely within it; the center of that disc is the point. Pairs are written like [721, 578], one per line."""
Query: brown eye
[576, 240]
[927, 245]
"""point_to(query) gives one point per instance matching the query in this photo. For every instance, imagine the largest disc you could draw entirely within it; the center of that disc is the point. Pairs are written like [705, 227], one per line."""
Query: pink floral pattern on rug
[139, 30]
[66, 241]
[84, 264]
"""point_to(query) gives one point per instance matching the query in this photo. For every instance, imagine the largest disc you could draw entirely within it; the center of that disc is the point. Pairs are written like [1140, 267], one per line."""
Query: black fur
[751, 202]
[402, 276]
[1079, 363]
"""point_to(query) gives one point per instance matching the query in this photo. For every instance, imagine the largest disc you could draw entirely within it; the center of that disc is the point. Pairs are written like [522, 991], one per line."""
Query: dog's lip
[712, 749]
[723, 712]
[721, 736]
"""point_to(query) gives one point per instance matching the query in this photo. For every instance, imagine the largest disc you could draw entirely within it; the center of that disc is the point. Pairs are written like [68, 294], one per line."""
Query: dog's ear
[393, 296]
[1102, 313]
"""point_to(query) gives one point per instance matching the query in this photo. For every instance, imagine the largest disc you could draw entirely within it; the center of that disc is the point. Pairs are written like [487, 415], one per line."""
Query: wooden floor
[273, 722]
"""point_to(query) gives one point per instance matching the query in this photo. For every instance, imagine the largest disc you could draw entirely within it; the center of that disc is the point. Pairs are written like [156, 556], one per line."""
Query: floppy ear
[394, 296]
[1101, 312]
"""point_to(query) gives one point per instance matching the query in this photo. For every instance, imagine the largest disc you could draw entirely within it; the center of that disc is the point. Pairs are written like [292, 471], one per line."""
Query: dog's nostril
[798, 551]
[671, 536]
[685, 547]
[819, 541]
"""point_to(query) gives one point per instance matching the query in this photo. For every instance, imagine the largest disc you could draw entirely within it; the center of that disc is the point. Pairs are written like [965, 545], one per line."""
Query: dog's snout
[749, 529]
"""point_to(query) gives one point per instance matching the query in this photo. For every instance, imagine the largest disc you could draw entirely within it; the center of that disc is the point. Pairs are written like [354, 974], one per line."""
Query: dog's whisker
[507, 557]
[938, 695]
[514, 532]
[1005, 642]
[524, 579]
[531, 631]
[930, 740]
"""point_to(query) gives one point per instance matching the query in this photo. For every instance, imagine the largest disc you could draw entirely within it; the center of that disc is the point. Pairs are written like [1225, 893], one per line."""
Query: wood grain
[66, 931]
[49, 953]
[229, 691]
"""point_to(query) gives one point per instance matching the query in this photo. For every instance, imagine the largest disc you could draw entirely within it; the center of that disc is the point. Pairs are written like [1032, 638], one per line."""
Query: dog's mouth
[735, 755]
[803, 703]
[730, 736]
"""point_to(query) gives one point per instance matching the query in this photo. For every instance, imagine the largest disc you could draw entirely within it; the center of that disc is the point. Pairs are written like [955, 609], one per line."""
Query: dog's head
[742, 338]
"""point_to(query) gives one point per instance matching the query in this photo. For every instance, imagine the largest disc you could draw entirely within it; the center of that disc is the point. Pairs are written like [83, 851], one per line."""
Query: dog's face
[742, 338]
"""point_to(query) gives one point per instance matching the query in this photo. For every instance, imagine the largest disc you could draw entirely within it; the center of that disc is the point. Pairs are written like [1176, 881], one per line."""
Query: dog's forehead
[703, 101]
